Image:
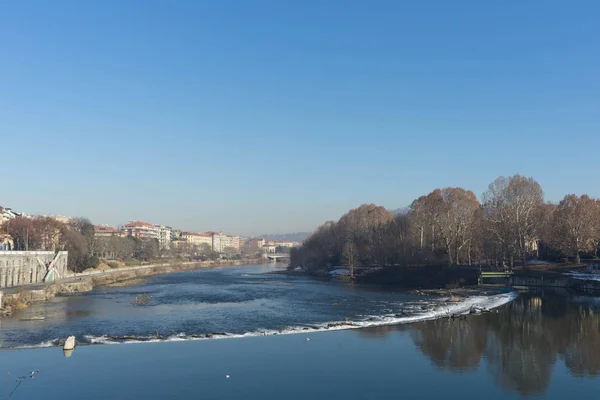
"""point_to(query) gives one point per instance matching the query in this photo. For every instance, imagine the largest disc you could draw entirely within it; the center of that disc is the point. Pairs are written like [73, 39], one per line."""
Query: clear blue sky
[274, 116]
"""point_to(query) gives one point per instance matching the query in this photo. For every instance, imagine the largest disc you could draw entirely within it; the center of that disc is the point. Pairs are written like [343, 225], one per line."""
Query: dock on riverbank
[549, 279]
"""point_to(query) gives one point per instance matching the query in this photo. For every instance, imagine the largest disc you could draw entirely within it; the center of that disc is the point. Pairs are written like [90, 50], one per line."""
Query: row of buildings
[270, 246]
[218, 241]
[139, 230]
[169, 238]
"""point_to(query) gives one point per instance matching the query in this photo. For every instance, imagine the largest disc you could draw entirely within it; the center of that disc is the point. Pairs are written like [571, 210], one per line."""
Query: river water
[544, 345]
[228, 301]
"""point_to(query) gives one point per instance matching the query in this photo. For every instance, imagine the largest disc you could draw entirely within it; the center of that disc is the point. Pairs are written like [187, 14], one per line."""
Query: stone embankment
[17, 299]
[13, 302]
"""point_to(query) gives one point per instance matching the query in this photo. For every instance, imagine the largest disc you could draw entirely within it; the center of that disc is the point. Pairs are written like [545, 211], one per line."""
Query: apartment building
[106, 231]
[6, 214]
[197, 239]
[141, 230]
[218, 240]
[235, 242]
[283, 243]
[269, 248]
[164, 237]
[61, 218]
[255, 243]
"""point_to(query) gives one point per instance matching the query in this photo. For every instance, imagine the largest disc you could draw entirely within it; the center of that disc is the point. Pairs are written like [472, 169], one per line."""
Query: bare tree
[350, 256]
[24, 233]
[75, 243]
[48, 230]
[512, 208]
[425, 213]
[450, 215]
[364, 226]
[576, 225]
[86, 228]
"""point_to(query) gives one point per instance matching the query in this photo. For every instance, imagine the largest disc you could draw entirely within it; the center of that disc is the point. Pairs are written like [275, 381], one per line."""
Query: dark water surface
[539, 345]
[247, 300]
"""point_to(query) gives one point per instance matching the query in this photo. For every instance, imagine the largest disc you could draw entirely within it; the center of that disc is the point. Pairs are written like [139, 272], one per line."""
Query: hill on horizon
[400, 211]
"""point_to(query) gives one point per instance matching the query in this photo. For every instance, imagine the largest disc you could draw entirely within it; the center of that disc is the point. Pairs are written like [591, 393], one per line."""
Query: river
[403, 345]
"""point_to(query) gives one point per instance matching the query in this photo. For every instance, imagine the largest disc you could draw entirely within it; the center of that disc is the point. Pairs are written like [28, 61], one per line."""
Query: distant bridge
[277, 256]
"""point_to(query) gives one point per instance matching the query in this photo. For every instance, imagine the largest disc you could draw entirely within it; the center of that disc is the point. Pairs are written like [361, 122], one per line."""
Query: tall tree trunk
[456, 251]
[577, 258]
[469, 253]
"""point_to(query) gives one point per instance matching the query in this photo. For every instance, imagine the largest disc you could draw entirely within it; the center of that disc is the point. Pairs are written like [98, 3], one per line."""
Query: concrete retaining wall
[29, 267]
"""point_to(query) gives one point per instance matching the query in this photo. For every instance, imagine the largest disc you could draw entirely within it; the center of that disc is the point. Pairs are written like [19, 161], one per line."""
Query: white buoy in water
[69, 343]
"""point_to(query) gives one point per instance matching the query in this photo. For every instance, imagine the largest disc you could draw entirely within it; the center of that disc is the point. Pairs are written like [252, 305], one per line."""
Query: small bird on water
[227, 376]
[308, 339]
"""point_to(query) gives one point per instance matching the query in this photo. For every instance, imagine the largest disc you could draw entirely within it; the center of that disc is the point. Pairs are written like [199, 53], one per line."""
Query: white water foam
[46, 343]
[440, 310]
[584, 277]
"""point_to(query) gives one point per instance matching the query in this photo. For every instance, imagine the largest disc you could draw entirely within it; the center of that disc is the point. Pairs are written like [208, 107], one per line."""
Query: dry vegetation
[512, 225]
[129, 282]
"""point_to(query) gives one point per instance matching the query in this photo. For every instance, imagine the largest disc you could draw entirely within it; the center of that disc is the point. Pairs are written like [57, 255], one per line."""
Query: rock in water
[69, 343]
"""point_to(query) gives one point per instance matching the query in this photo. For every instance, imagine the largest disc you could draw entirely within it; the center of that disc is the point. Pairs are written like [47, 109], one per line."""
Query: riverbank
[17, 299]
[402, 277]
[438, 278]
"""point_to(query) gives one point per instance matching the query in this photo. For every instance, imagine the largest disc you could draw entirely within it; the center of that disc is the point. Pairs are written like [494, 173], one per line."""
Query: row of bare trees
[45, 233]
[78, 238]
[450, 225]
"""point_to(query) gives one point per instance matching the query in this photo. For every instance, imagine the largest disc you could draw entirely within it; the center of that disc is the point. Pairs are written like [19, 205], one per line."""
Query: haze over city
[273, 117]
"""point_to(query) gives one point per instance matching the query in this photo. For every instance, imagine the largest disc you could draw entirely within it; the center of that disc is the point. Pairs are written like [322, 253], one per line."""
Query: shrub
[16, 303]
[91, 262]
[113, 264]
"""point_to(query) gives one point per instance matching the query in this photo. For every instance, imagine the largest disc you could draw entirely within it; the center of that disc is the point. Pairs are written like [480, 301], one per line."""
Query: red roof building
[141, 230]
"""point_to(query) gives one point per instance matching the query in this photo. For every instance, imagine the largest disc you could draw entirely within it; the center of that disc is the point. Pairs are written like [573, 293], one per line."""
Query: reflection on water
[519, 345]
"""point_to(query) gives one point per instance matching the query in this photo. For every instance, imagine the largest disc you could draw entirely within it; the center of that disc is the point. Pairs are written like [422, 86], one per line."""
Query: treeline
[512, 224]
[79, 239]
